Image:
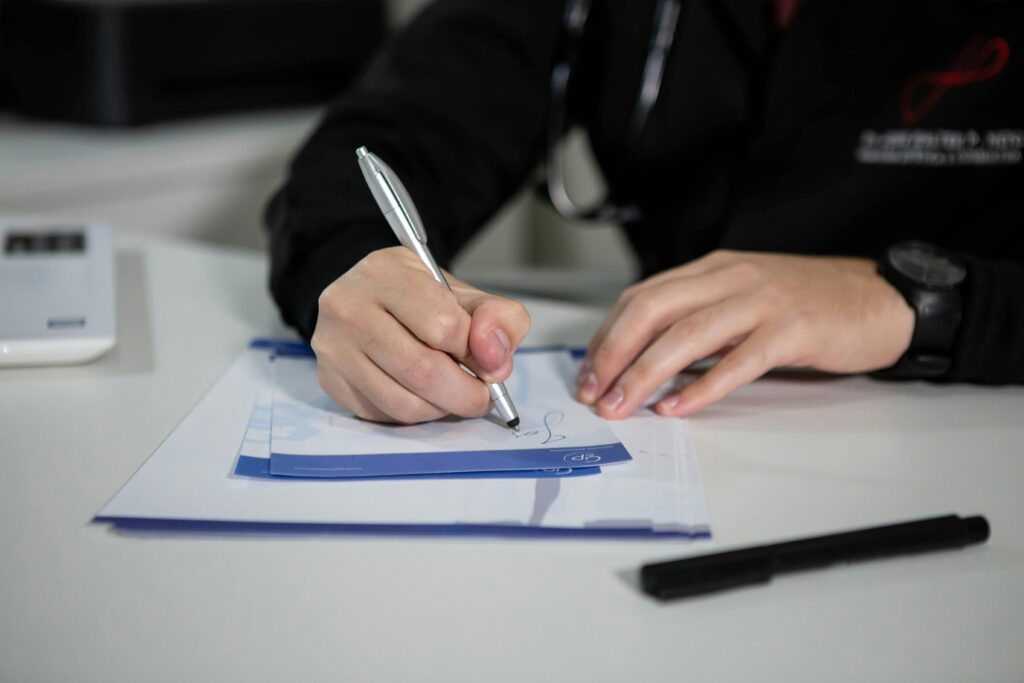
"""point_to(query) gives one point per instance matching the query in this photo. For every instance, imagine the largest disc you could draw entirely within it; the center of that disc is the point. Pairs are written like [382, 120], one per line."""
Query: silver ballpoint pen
[401, 214]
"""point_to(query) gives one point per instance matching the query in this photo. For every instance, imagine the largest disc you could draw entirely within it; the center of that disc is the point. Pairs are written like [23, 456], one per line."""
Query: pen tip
[514, 423]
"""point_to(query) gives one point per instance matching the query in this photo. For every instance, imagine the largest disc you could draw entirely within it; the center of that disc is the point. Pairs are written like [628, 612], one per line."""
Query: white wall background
[209, 179]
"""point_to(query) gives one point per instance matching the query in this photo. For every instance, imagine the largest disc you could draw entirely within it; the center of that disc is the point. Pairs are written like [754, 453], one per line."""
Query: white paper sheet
[189, 479]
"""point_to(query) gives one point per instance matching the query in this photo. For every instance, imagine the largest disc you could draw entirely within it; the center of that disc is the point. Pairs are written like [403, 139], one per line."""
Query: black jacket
[861, 125]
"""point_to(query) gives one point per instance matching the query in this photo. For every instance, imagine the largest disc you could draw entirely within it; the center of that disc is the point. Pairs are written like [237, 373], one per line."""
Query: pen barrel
[501, 402]
[499, 394]
[709, 573]
[924, 535]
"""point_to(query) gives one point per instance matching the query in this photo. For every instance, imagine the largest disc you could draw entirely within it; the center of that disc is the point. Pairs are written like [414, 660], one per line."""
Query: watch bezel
[892, 265]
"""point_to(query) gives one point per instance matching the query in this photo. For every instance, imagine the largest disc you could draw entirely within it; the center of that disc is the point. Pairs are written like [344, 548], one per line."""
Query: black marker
[709, 573]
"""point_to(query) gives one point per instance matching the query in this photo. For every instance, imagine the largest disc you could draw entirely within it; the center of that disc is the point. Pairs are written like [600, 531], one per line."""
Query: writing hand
[389, 340]
[758, 311]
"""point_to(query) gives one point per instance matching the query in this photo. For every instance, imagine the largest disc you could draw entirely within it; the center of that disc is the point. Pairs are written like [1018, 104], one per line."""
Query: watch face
[926, 265]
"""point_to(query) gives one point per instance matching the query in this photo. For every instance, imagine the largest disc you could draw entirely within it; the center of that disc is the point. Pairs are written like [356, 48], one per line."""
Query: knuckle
[628, 293]
[421, 371]
[689, 329]
[800, 324]
[328, 298]
[447, 330]
[319, 346]
[644, 306]
[520, 315]
[338, 308]
[719, 256]
[326, 295]
[760, 360]
[745, 271]
[508, 314]
[347, 314]
[373, 264]
[748, 363]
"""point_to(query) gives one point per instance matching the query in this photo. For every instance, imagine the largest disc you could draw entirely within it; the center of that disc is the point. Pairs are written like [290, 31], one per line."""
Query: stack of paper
[453, 476]
[312, 437]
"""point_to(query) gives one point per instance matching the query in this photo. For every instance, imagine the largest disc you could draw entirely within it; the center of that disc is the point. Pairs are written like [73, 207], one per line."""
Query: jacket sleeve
[456, 104]
[989, 347]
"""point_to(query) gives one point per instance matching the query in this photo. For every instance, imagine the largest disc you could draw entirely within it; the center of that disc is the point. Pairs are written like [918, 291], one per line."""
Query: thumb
[497, 328]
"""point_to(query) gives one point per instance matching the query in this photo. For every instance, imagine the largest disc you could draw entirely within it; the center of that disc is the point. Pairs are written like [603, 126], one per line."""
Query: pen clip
[391, 195]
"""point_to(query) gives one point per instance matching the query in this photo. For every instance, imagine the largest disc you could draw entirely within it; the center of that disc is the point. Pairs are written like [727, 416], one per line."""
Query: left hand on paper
[757, 311]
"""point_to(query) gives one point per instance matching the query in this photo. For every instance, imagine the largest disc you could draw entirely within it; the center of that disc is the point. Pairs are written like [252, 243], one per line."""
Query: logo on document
[582, 458]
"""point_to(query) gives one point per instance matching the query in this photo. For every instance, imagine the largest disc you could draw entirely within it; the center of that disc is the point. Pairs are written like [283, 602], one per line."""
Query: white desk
[781, 458]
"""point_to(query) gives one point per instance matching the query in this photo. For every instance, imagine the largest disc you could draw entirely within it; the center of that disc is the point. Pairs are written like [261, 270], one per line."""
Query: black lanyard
[666, 16]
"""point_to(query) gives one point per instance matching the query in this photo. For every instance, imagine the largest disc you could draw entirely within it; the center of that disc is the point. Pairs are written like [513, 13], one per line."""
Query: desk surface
[781, 458]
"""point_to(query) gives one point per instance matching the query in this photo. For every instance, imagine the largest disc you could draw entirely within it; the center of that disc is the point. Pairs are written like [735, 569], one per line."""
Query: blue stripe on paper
[390, 464]
[259, 468]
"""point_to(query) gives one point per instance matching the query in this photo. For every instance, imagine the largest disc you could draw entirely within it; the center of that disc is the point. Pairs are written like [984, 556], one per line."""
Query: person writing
[827, 185]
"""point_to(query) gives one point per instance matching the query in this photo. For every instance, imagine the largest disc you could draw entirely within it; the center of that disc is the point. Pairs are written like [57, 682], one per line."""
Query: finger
[350, 398]
[430, 312]
[725, 265]
[685, 342]
[387, 396]
[427, 373]
[645, 316]
[498, 326]
[714, 261]
[762, 351]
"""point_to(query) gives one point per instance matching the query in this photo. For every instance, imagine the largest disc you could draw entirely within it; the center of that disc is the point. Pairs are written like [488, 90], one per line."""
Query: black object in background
[127, 62]
[709, 573]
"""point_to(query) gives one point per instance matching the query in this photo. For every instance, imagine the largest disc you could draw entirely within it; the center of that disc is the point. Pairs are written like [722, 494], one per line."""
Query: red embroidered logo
[980, 60]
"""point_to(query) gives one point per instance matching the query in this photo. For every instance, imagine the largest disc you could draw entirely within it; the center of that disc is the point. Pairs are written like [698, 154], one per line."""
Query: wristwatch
[931, 280]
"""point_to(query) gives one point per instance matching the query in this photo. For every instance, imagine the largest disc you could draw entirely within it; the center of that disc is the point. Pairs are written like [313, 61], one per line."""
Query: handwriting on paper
[551, 420]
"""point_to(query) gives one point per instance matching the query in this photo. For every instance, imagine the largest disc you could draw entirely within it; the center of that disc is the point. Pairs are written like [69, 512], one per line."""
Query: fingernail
[586, 368]
[612, 399]
[668, 403]
[588, 389]
[503, 340]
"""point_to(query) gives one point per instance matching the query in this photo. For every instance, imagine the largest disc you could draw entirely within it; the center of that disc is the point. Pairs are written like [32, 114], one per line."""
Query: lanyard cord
[666, 17]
